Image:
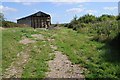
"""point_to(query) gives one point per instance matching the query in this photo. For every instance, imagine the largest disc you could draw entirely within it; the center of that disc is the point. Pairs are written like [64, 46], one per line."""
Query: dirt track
[61, 67]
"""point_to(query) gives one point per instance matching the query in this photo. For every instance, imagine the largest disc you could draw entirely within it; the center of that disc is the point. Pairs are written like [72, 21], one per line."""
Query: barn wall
[26, 21]
[40, 22]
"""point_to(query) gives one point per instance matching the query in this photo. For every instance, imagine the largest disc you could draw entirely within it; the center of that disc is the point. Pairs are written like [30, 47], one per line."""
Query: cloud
[91, 11]
[28, 3]
[75, 10]
[80, 5]
[110, 8]
[36, 10]
[63, 3]
[78, 9]
[69, 0]
[6, 9]
[60, 0]
[81, 8]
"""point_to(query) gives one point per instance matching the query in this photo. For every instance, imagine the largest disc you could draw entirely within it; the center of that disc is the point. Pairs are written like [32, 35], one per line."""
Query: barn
[36, 20]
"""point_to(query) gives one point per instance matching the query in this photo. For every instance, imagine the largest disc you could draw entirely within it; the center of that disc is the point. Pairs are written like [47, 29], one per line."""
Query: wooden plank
[35, 22]
[38, 21]
[32, 22]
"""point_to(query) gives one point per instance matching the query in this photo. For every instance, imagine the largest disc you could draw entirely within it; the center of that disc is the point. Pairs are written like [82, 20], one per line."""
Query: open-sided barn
[37, 20]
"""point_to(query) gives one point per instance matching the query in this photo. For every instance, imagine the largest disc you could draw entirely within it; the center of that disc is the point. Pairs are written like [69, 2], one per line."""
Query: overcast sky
[61, 12]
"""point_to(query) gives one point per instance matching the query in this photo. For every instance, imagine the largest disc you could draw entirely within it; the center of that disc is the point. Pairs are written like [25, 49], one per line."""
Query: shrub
[87, 19]
[9, 24]
[103, 28]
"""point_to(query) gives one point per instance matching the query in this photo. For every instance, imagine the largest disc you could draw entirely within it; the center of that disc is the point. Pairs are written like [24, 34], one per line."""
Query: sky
[61, 12]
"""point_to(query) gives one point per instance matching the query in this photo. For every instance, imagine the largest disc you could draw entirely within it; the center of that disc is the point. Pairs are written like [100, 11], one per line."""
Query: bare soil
[61, 67]
[1, 28]
[17, 67]
[38, 36]
[26, 41]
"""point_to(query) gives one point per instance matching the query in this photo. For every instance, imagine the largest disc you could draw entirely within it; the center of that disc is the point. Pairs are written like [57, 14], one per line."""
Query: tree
[118, 17]
[106, 17]
[2, 17]
[74, 21]
[87, 19]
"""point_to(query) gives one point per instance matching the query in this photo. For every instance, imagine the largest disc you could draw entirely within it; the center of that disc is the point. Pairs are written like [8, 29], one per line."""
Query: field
[98, 59]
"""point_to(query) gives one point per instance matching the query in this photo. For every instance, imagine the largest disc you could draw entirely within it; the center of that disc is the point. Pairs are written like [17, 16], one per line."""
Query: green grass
[91, 55]
[39, 51]
[0, 52]
[98, 58]
[11, 45]
[37, 65]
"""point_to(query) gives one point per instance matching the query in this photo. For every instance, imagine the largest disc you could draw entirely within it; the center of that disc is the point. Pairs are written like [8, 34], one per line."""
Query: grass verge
[92, 55]
[37, 65]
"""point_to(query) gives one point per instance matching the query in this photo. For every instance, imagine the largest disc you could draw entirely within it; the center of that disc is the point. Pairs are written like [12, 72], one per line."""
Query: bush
[103, 28]
[9, 24]
[106, 17]
[70, 25]
[87, 19]
[105, 31]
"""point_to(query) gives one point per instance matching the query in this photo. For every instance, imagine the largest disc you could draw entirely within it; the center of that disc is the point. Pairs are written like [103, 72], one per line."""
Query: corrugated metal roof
[40, 13]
